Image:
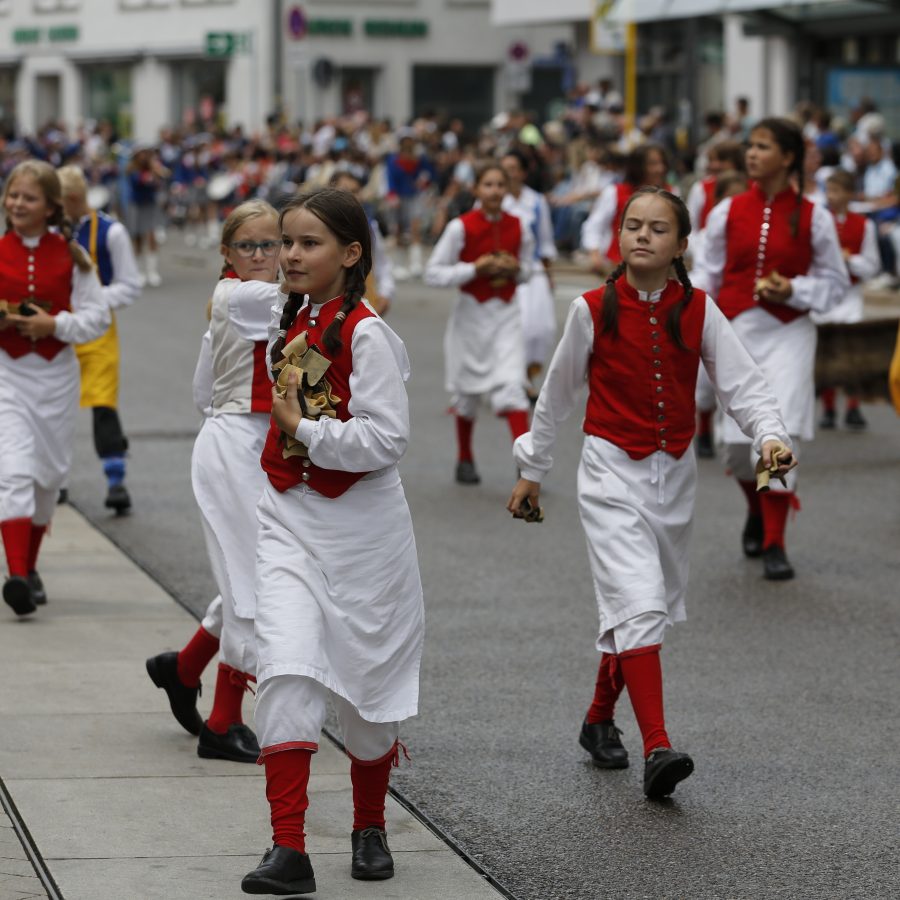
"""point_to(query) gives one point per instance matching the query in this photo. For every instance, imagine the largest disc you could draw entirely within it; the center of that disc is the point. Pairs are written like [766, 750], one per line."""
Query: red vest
[641, 383]
[754, 251]
[288, 473]
[623, 195]
[42, 273]
[261, 387]
[484, 236]
[851, 233]
[709, 194]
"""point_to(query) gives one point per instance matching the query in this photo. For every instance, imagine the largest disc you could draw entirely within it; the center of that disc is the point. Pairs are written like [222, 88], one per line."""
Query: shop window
[7, 101]
[107, 95]
[199, 91]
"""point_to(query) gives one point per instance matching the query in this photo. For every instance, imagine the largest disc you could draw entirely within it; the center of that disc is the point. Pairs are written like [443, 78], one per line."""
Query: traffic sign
[297, 23]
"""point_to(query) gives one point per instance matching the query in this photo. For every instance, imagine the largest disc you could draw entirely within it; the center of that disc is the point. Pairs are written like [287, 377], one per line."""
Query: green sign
[389, 28]
[331, 27]
[222, 44]
[26, 36]
[63, 33]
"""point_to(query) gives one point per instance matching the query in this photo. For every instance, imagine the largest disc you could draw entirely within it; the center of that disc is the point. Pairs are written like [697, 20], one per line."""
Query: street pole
[631, 74]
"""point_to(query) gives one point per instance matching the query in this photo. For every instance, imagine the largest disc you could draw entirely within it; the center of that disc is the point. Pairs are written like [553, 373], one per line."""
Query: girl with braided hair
[51, 299]
[771, 257]
[638, 343]
[339, 608]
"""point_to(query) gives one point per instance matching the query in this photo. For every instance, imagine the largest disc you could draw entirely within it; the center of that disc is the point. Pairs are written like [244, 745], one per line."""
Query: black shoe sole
[599, 763]
[781, 575]
[279, 888]
[17, 595]
[666, 779]
[381, 875]
[209, 753]
[152, 667]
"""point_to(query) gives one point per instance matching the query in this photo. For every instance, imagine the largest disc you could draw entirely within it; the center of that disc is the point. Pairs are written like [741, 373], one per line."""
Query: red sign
[297, 23]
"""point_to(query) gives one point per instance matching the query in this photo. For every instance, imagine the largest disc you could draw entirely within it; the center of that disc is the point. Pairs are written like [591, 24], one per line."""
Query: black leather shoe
[281, 871]
[853, 419]
[163, 671]
[38, 594]
[372, 860]
[466, 473]
[663, 769]
[827, 420]
[238, 744]
[752, 537]
[17, 594]
[705, 449]
[602, 742]
[63, 496]
[776, 565]
[118, 499]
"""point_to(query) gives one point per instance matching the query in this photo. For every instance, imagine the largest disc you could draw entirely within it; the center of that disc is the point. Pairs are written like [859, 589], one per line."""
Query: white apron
[535, 299]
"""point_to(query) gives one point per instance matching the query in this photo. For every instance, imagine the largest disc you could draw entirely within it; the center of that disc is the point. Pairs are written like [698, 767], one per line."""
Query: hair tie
[340, 316]
[282, 333]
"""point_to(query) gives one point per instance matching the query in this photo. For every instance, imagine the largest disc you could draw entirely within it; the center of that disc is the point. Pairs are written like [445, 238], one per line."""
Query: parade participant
[641, 336]
[770, 257]
[145, 180]
[51, 300]
[645, 165]
[535, 296]
[339, 600]
[486, 253]
[727, 156]
[232, 379]
[859, 245]
[409, 174]
[109, 245]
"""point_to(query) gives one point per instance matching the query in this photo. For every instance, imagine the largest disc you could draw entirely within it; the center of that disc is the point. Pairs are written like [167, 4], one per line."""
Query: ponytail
[354, 291]
[673, 322]
[80, 256]
[609, 312]
[289, 313]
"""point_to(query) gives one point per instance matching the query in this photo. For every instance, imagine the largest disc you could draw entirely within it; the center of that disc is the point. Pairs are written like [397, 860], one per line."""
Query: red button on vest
[486, 236]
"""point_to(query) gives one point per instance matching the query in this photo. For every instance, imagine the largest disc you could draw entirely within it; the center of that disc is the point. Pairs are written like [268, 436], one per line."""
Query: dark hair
[789, 138]
[486, 167]
[609, 313]
[727, 181]
[520, 158]
[343, 215]
[729, 152]
[636, 162]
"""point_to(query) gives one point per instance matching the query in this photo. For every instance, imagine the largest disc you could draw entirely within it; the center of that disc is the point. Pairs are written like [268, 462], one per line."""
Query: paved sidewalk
[110, 787]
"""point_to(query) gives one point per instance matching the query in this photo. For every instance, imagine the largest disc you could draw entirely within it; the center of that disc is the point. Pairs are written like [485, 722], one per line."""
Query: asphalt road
[785, 694]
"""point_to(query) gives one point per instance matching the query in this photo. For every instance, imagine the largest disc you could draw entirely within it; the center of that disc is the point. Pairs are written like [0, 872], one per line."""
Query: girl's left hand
[286, 411]
[779, 289]
[786, 462]
[37, 326]
[524, 489]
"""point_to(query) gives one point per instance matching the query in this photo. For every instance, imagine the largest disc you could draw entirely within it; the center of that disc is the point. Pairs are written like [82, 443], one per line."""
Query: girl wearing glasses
[232, 388]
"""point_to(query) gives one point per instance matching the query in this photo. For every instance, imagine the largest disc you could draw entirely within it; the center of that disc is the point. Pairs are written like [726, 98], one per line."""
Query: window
[107, 95]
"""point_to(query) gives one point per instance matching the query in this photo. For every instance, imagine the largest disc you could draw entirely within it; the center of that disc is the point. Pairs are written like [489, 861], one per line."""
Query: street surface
[785, 694]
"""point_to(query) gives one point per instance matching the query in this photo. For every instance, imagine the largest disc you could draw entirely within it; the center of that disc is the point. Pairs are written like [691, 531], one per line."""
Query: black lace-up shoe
[705, 449]
[238, 744]
[281, 871]
[602, 741]
[38, 594]
[17, 594]
[776, 565]
[466, 473]
[118, 498]
[828, 419]
[372, 860]
[752, 536]
[163, 671]
[663, 769]
[853, 419]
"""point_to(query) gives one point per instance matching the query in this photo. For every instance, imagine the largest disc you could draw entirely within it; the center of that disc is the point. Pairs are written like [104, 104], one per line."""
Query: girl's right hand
[524, 489]
[486, 264]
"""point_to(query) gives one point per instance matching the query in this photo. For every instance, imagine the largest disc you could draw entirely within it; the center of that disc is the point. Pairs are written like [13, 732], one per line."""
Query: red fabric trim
[287, 745]
[640, 651]
[393, 754]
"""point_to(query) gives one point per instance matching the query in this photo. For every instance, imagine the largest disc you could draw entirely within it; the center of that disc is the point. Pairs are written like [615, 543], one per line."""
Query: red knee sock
[287, 777]
[609, 686]
[704, 424]
[828, 398]
[230, 687]
[852, 403]
[34, 545]
[464, 429]
[642, 672]
[750, 492]
[775, 508]
[517, 419]
[370, 787]
[16, 541]
[195, 657]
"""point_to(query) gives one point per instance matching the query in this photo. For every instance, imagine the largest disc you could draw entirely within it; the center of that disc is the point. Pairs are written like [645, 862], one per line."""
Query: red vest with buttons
[486, 236]
[287, 473]
[42, 273]
[641, 383]
[754, 251]
[623, 195]
[851, 233]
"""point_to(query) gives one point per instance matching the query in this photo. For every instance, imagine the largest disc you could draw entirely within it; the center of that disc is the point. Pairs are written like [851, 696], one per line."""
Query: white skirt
[339, 598]
[637, 516]
[535, 299]
[848, 311]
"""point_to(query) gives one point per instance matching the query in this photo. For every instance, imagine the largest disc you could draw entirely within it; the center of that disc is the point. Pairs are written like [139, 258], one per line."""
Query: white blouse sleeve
[250, 305]
[203, 377]
[444, 268]
[740, 385]
[378, 433]
[90, 316]
[384, 268]
[526, 255]
[596, 233]
[546, 243]
[125, 286]
[696, 200]
[827, 282]
[710, 254]
[867, 263]
[566, 376]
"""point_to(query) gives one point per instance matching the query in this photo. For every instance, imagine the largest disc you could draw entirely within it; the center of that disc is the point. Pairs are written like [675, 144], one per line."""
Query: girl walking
[638, 344]
[486, 253]
[339, 601]
[51, 300]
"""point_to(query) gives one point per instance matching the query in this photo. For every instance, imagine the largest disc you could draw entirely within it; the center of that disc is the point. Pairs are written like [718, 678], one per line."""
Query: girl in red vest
[859, 246]
[646, 165]
[771, 257]
[51, 299]
[338, 597]
[638, 343]
[232, 388]
[486, 253]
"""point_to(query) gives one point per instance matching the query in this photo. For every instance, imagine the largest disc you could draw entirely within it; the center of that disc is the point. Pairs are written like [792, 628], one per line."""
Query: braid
[291, 308]
[609, 314]
[80, 256]
[800, 168]
[673, 323]
[354, 291]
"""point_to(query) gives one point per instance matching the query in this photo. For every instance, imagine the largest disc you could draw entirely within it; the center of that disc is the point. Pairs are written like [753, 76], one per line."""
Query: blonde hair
[72, 181]
[48, 181]
[239, 216]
